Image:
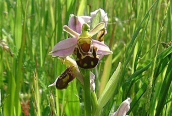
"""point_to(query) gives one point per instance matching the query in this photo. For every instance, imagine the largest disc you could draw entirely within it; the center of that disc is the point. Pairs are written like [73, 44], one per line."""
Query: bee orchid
[70, 74]
[66, 47]
[87, 51]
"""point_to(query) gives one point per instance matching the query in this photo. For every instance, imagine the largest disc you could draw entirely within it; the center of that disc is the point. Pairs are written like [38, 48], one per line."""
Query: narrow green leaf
[82, 7]
[18, 25]
[109, 89]
[138, 96]
[106, 74]
[164, 90]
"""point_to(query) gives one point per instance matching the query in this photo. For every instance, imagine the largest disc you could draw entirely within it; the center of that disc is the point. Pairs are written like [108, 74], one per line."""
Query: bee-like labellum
[89, 60]
[85, 52]
[63, 80]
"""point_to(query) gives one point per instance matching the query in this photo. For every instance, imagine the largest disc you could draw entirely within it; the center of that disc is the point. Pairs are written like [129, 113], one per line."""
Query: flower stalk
[87, 94]
[90, 98]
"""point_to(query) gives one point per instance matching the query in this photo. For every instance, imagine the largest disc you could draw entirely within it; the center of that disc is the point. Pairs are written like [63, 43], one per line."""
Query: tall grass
[30, 29]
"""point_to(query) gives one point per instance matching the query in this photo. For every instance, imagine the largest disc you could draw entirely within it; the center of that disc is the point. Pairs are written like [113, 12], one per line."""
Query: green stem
[87, 95]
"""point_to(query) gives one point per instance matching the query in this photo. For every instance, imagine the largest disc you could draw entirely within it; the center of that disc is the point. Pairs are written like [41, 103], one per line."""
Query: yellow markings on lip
[85, 64]
[92, 63]
[66, 79]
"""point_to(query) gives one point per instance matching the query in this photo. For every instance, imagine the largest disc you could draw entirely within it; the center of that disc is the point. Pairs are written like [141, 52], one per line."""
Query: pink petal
[85, 18]
[104, 16]
[102, 48]
[101, 56]
[123, 108]
[76, 22]
[64, 48]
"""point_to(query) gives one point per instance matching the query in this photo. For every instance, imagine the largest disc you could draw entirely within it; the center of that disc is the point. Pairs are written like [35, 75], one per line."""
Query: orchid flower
[62, 81]
[123, 108]
[66, 47]
[70, 73]
[82, 44]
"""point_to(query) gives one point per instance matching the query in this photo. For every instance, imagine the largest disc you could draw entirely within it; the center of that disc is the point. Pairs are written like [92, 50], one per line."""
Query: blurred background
[139, 34]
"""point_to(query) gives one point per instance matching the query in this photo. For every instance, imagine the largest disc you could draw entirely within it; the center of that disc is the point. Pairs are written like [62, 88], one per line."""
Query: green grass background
[136, 29]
